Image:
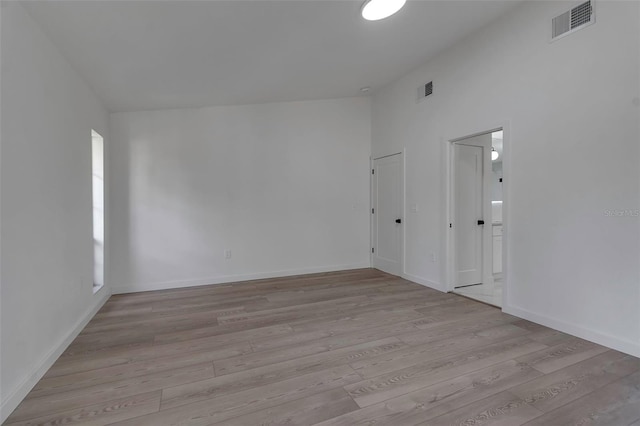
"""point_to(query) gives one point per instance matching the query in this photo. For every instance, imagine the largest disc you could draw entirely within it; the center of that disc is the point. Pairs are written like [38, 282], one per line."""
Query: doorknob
[398, 220]
[481, 222]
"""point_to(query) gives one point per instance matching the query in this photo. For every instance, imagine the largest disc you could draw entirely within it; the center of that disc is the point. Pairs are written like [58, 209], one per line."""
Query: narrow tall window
[97, 170]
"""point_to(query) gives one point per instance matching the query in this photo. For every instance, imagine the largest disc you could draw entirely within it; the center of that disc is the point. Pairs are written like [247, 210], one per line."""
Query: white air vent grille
[572, 20]
[581, 15]
[561, 24]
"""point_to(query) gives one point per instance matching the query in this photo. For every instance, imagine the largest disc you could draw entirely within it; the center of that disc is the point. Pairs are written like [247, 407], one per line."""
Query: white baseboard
[13, 398]
[613, 342]
[424, 282]
[133, 288]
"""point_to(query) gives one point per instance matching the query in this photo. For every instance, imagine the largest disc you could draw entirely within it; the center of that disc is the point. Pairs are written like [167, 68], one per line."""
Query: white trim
[425, 282]
[447, 251]
[370, 208]
[506, 209]
[14, 397]
[403, 245]
[388, 155]
[223, 279]
[617, 343]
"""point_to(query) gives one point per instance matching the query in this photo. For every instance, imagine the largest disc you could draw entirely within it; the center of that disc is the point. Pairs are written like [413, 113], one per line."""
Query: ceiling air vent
[424, 91]
[572, 20]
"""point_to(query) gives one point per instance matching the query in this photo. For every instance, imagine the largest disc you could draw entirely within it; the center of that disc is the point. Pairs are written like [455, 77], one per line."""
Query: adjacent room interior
[325, 213]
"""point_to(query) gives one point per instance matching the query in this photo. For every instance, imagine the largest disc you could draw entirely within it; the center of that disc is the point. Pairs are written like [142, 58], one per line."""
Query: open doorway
[476, 216]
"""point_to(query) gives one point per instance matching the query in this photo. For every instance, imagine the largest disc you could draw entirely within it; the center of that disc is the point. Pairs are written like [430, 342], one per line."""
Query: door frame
[403, 180]
[449, 212]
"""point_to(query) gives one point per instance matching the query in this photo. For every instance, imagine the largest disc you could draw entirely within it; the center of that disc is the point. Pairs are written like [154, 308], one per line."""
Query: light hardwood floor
[347, 348]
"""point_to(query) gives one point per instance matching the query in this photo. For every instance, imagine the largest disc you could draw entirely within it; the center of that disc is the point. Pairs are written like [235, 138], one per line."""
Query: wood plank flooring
[336, 349]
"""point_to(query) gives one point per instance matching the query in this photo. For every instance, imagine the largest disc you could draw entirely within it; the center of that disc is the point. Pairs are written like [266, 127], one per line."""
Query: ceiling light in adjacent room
[374, 10]
[494, 154]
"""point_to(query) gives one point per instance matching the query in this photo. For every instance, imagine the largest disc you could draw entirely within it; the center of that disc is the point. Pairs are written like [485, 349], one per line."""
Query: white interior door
[471, 207]
[387, 203]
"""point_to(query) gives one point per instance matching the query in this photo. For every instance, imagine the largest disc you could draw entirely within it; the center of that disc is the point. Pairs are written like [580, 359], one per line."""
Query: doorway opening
[476, 219]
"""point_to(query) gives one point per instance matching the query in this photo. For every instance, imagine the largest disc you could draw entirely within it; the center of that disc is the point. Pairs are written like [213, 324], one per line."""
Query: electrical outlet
[433, 257]
[414, 208]
[227, 254]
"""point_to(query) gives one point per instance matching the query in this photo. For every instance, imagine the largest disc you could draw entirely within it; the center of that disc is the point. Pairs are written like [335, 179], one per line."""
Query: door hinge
[373, 250]
[373, 172]
[373, 211]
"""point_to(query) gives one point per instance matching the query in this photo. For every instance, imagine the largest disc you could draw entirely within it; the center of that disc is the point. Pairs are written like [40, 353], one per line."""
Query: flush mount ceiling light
[494, 154]
[374, 10]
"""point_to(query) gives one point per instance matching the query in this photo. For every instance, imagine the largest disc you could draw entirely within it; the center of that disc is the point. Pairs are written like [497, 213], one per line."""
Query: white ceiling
[141, 55]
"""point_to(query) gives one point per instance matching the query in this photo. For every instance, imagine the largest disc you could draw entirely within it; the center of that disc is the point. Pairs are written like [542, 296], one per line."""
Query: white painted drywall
[284, 186]
[47, 116]
[571, 109]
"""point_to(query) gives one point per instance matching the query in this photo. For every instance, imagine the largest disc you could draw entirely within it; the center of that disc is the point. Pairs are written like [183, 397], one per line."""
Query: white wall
[284, 186]
[571, 111]
[47, 115]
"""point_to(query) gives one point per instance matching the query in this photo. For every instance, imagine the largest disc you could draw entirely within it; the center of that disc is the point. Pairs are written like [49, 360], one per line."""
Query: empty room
[320, 212]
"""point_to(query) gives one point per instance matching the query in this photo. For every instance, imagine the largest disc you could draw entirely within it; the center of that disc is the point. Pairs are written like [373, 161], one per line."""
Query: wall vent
[572, 20]
[428, 89]
[424, 91]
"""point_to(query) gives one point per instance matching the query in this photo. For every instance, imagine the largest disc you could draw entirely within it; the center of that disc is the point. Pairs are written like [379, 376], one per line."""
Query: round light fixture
[494, 154]
[374, 10]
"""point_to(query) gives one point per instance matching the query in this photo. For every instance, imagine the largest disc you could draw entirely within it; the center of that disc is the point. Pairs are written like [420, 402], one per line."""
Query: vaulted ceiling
[140, 55]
